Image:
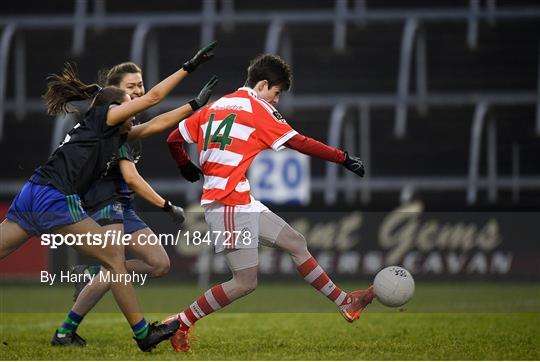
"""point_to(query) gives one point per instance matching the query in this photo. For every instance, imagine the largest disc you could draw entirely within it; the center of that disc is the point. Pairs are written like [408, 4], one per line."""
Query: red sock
[213, 299]
[315, 275]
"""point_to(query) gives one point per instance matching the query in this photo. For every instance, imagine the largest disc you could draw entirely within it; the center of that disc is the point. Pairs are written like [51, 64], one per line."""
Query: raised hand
[204, 94]
[203, 55]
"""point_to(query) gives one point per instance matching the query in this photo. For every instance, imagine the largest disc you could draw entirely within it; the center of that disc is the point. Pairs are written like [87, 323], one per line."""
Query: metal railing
[208, 18]
[476, 134]
[538, 99]
[9, 33]
[413, 35]
[144, 51]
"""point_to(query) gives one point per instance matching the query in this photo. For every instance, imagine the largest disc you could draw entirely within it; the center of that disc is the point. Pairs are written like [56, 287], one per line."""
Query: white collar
[250, 91]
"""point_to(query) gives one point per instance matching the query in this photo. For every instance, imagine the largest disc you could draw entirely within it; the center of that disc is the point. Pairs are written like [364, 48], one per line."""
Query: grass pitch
[444, 321]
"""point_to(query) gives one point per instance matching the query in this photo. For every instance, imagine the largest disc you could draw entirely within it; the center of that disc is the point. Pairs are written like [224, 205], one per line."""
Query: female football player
[49, 202]
[109, 203]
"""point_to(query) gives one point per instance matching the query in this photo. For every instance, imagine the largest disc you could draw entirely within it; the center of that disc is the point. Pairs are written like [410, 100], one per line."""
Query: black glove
[354, 164]
[203, 55]
[204, 94]
[176, 212]
[191, 172]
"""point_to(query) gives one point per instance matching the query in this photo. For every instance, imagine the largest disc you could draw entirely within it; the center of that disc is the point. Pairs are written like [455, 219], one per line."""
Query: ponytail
[65, 88]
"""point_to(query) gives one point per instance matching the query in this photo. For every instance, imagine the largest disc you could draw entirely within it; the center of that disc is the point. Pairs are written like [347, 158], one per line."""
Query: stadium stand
[477, 54]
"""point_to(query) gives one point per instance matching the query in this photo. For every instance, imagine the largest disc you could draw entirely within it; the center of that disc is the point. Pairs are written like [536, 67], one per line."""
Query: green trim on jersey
[123, 151]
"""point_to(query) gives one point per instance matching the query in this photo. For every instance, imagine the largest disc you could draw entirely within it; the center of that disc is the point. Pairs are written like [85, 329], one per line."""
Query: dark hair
[114, 75]
[108, 95]
[67, 87]
[269, 67]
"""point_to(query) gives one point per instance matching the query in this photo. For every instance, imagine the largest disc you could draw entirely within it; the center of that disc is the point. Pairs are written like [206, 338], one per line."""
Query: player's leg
[113, 261]
[156, 263]
[276, 230]
[18, 225]
[11, 237]
[152, 258]
[283, 236]
[242, 259]
[111, 218]
[91, 294]
[243, 282]
[243, 264]
[42, 209]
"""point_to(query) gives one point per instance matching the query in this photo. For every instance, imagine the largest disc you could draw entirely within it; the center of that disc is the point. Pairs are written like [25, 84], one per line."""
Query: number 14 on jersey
[221, 135]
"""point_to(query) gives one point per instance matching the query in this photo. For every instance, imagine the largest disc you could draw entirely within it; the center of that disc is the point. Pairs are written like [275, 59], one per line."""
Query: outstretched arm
[138, 184]
[314, 148]
[311, 147]
[160, 123]
[170, 119]
[126, 110]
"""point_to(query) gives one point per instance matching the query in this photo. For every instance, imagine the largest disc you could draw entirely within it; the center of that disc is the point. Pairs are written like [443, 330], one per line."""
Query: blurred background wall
[439, 98]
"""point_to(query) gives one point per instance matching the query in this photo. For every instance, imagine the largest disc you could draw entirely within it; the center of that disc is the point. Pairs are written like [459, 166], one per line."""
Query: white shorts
[241, 226]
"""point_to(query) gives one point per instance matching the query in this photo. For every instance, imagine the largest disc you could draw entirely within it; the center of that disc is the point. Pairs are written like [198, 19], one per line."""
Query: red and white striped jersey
[230, 132]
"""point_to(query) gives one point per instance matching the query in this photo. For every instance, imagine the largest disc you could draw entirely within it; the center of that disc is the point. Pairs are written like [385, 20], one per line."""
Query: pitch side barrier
[354, 243]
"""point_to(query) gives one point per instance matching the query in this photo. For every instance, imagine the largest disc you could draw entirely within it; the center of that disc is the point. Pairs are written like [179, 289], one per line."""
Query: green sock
[140, 330]
[71, 323]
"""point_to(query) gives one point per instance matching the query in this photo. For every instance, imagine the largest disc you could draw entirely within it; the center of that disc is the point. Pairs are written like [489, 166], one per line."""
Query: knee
[299, 239]
[294, 242]
[160, 267]
[247, 283]
[249, 286]
[5, 250]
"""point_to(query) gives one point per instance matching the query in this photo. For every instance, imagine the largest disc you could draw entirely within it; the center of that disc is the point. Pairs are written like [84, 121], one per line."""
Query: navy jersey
[111, 186]
[84, 155]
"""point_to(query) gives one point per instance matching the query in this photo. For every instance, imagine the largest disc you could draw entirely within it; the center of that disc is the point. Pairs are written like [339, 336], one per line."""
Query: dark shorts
[39, 209]
[116, 213]
[112, 213]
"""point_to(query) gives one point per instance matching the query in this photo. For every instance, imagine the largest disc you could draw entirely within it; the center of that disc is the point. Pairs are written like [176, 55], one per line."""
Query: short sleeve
[189, 127]
[272, 129]
[96, 119]
[126, 153]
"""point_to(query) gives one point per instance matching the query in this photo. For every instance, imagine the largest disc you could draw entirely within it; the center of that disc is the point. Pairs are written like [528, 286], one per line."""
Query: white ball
[393, 286]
